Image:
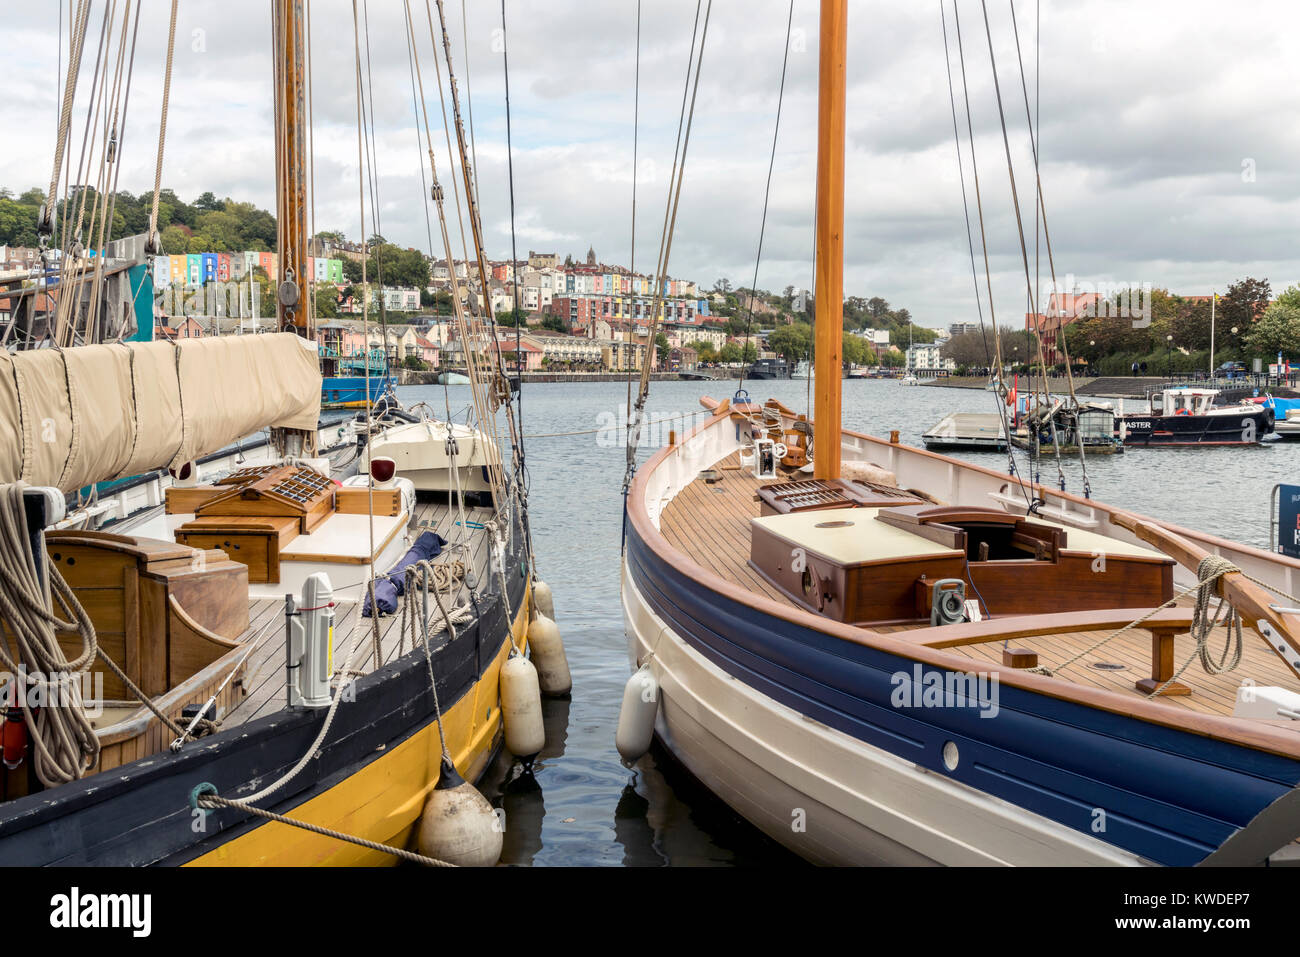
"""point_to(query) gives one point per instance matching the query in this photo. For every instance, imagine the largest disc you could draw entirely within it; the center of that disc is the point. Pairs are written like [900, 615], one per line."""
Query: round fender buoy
[544, 599]
[521, 707]
[458, 825]
[636, 718]
[547, 651]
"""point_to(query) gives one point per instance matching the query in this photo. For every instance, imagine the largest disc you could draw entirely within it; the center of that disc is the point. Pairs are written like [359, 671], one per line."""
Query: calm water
[581, 806]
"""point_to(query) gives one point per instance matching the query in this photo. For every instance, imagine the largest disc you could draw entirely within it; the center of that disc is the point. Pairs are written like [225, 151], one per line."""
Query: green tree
[704, 351]
[176, 239]
[792, 342]
[1290, 296]
[662, 347]
[1276, 330]
[327, 300]
[854, 349]
[554, 323]
[1243, 302]
[395, 266]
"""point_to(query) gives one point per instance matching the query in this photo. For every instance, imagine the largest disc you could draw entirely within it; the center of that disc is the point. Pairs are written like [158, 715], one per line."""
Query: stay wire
[984, 245]
[767, 192]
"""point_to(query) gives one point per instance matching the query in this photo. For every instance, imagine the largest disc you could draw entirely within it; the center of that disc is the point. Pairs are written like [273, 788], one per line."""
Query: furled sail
[72, 417]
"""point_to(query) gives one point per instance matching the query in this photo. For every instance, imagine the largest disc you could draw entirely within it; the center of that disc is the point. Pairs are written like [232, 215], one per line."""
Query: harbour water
[581, 806]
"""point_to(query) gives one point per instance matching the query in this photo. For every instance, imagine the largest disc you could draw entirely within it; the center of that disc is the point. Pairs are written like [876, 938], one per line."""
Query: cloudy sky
[1169, 141]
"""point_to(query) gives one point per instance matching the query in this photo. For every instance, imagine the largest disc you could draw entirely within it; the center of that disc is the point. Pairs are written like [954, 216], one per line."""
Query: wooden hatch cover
[294, 491]
[782, 498]
[253, 514]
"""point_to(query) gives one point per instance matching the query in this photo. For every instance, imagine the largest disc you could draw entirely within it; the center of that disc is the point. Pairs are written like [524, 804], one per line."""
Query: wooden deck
[710, 523]
[263, 680]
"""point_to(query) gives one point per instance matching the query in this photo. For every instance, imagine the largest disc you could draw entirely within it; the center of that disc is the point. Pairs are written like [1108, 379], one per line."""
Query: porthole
[950, 755]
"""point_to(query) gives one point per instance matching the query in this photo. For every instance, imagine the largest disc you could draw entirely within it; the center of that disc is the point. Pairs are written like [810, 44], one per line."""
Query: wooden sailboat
[192, 678]
[910, 659]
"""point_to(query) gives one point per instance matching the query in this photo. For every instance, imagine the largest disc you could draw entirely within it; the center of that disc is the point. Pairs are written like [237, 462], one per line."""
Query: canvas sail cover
[72, 417]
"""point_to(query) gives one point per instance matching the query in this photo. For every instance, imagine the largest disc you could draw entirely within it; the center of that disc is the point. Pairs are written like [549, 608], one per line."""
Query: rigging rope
[636, 130]
[1020, 227]
[1209, 570]
[767, 193]
[1035, 131]
[64, 739]
[984, 245]
[686, 119]
[154, 242]
[514, 253]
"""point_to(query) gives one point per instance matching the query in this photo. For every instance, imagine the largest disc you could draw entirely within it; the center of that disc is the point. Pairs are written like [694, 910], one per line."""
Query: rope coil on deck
[1204, 620]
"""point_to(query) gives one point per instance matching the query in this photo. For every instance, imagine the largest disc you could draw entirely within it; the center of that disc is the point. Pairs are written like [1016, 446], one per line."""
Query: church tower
[591, 255]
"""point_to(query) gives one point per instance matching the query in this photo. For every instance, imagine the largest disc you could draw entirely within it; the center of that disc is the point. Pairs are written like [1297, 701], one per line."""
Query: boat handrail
[1037, 626]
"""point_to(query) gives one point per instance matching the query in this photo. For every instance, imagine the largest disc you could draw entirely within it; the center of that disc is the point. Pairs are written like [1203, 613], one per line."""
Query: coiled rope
[440, 578]
[1209, 570]
[64, 739]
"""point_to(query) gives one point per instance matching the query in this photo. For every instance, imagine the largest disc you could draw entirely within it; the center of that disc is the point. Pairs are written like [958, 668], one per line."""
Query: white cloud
[1148, 112]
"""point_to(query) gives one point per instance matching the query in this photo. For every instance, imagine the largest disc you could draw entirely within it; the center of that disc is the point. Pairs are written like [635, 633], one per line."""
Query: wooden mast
[288, 32]
[829, 328]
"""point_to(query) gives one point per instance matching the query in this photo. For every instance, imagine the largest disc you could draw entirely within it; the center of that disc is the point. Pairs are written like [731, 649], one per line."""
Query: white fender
[458, 825]
[521, 707]
[547, 651]
[636, 718]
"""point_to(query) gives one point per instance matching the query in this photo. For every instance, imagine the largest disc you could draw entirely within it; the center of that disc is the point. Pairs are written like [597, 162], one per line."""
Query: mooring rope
[210, 801]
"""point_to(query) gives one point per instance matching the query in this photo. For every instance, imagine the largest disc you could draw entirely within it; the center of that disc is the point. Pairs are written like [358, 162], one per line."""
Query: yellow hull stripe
[381, 801]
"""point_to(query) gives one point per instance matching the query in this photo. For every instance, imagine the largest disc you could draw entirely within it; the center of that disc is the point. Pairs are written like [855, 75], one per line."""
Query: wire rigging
[1000, 394]
[684, 123]
[984, 245]
[767, 190]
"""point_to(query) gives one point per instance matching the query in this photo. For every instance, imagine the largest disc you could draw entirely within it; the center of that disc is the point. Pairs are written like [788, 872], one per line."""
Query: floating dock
[967, 430]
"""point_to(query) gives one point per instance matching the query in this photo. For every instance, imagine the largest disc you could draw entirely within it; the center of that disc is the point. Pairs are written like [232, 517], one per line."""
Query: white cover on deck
[91, 413]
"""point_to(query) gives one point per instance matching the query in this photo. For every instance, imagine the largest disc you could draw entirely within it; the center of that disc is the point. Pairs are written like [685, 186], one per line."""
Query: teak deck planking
[710, 523]
[263, 680]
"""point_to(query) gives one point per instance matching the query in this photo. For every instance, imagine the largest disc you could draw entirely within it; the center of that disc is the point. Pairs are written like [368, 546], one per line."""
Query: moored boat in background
[1189, 416]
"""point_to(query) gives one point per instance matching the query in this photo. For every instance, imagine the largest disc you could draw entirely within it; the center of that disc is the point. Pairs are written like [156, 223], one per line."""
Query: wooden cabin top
[852, 536]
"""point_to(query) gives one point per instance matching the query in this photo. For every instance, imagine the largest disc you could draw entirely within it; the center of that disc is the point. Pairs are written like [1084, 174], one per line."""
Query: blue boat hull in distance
[1245, 429]
[345, 392]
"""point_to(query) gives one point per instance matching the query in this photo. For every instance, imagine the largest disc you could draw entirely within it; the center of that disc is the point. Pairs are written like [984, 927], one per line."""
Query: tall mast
[288, 32]
[829, 328]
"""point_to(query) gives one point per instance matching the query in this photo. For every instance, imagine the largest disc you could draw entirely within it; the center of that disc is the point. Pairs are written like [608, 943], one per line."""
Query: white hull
[862, 805]
[419, 450]
[825, 795]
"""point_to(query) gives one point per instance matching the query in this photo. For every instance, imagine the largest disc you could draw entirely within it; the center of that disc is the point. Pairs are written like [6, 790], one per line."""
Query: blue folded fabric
[389, 588]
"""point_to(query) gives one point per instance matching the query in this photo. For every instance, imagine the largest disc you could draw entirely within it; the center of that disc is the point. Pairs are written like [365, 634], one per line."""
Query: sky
[1168, 142]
